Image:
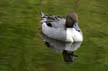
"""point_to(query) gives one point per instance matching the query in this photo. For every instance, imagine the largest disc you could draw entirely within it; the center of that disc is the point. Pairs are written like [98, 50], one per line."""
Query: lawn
[21, 46]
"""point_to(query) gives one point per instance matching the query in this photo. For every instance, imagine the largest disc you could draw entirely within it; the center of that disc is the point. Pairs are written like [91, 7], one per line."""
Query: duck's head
[71, 18]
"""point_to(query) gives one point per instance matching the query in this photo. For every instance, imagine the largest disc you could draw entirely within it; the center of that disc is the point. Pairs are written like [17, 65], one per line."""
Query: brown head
[71, 18]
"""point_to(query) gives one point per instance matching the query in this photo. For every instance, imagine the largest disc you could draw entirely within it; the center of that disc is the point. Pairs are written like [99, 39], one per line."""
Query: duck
[59, 28]
[62, 34]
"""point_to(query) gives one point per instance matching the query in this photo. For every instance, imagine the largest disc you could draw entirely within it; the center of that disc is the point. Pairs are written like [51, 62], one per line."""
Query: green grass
[21, 46]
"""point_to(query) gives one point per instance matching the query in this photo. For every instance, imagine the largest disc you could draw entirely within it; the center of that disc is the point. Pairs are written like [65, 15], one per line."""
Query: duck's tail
[42, 14]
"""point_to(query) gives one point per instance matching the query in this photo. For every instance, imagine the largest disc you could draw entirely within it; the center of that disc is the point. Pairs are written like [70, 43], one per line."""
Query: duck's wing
[52, 20]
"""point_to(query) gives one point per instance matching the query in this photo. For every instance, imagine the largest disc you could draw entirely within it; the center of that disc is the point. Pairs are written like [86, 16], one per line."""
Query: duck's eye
[69, 17]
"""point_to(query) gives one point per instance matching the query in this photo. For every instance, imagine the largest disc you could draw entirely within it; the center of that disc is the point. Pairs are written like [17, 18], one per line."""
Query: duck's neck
[69, 25]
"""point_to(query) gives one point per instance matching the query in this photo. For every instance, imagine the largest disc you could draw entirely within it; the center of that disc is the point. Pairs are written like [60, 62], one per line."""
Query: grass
[21, 46]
